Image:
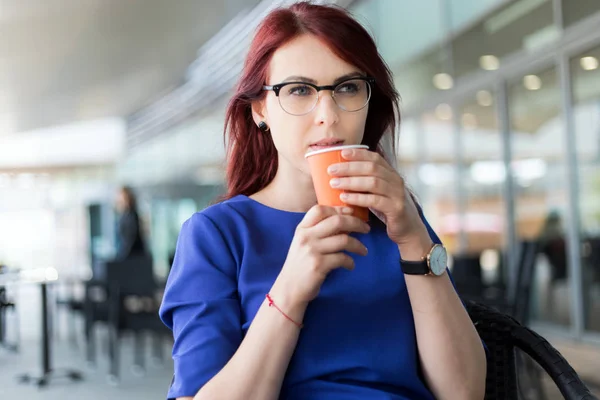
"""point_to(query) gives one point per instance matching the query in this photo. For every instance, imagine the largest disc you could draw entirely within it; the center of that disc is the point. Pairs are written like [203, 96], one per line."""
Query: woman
[129, 232]
[273, 297]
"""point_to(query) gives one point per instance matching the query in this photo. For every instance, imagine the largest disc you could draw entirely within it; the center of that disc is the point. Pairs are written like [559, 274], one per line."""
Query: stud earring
[263, 126]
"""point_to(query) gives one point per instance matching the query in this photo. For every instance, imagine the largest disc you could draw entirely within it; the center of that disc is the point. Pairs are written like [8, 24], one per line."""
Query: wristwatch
[434, 263]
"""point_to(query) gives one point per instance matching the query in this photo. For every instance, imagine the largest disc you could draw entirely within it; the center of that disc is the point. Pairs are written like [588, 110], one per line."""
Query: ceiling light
[532, 82]
[443, 81]
[489, 62]
[484, 98]
[443, 112]
[589, 63]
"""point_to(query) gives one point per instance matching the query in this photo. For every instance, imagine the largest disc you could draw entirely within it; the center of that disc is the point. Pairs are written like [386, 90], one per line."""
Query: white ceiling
[72, 60]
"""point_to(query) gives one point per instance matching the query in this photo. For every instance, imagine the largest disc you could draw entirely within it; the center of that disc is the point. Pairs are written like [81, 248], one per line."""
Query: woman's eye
[348, 88]
[300, 90]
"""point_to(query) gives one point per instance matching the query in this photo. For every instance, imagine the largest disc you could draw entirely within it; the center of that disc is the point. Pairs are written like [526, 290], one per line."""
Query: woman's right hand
[317, 249]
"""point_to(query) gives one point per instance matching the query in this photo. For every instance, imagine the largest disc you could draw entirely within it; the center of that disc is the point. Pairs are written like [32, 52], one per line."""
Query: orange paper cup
[319, 161]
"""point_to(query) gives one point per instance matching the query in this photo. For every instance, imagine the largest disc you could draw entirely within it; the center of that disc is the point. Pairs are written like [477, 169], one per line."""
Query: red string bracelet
[272, 304]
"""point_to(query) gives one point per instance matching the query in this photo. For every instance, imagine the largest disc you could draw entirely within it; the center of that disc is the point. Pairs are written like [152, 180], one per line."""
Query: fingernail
[347, 210]
[344, 196]
[332, 169]
[334, 182]
[366, 250]
[347, 153]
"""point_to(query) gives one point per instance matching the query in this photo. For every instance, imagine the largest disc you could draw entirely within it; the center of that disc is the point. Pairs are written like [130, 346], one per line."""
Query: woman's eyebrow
[342, 78]
[348, 76]
[295, 78]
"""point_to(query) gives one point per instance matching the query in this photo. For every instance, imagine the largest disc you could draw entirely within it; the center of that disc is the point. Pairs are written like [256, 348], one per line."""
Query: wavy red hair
[251, 154]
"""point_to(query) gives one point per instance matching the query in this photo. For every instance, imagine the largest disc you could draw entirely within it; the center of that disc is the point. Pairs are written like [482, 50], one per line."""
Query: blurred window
[585, 71]
[539, 172]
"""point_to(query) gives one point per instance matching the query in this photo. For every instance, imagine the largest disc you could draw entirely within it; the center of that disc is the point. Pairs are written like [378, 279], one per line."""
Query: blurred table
[42, 277]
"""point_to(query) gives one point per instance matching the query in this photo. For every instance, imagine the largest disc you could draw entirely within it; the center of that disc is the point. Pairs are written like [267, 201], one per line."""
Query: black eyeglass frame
[277, 88]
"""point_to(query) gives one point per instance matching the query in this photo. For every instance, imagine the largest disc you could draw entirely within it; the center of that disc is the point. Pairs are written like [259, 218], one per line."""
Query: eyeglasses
[300, 98]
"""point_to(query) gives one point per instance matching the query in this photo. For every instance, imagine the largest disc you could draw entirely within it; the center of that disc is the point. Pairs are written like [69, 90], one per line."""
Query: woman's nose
[327, 109]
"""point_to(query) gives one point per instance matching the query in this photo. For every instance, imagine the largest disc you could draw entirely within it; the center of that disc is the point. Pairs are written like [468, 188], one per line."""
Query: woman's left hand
[376, 185]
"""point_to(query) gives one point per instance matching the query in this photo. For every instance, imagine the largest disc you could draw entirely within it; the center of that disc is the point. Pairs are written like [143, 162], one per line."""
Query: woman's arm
[257, 369]
[450, 350]
[451, 353]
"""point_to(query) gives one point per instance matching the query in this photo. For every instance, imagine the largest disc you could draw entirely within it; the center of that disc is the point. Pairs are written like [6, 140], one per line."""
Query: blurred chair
[514, 298]
[466, 273]
[519, 298]
[130, 304]
[95, 310]
[591, 259]
[66, 301]
[5, 305]
[502, 335]
[556, 251]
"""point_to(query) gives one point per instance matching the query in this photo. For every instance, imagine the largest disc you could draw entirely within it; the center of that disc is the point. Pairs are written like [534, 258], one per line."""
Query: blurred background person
[130, 238]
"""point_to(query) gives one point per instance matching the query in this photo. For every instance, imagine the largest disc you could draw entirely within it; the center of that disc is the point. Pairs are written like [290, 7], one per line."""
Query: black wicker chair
[502, 334]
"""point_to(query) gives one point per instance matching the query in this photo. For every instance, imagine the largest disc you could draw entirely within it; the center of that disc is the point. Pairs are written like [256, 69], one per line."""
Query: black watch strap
[415, 267]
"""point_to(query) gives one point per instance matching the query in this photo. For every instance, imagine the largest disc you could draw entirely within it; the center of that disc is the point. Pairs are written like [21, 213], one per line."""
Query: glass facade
[437, 174]
[539, 172]
[500, 137]
[482, 173]
[585, 74]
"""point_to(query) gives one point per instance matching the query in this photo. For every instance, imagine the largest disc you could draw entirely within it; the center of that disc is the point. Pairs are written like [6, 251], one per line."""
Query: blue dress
[358, 340]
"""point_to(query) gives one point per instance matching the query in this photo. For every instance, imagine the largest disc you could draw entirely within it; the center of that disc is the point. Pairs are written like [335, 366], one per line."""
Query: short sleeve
[201, 306]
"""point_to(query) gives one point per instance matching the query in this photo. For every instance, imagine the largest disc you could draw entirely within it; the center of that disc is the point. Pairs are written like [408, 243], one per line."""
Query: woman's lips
[318, 146]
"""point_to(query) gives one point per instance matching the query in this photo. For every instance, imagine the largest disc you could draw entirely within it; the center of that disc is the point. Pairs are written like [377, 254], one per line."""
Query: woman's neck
[290, 190]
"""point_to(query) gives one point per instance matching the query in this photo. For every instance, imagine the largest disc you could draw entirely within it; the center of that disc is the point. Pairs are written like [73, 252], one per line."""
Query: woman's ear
[259, 112]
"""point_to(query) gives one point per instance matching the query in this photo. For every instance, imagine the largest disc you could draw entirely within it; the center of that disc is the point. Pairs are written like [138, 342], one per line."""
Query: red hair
[251, 154]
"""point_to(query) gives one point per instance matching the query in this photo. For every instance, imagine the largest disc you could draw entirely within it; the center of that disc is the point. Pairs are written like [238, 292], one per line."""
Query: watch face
[438, 260]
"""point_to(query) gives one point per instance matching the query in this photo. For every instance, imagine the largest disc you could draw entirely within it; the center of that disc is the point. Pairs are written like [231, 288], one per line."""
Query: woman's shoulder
[219, 217]
[209, 235]
[241, 213]
[222, 213]
[230, 219]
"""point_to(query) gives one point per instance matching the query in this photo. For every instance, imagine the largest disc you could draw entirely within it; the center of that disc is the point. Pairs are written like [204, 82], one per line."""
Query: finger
[341, 242]
[318, 213]
[343, 210]
[338, 224]
[358, 168]
[337, 260]
[366, 184]
[369, 200]
[364, 155]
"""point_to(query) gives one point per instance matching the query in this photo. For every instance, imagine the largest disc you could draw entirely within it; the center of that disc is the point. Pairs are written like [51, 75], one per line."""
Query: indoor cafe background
[500, 138]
